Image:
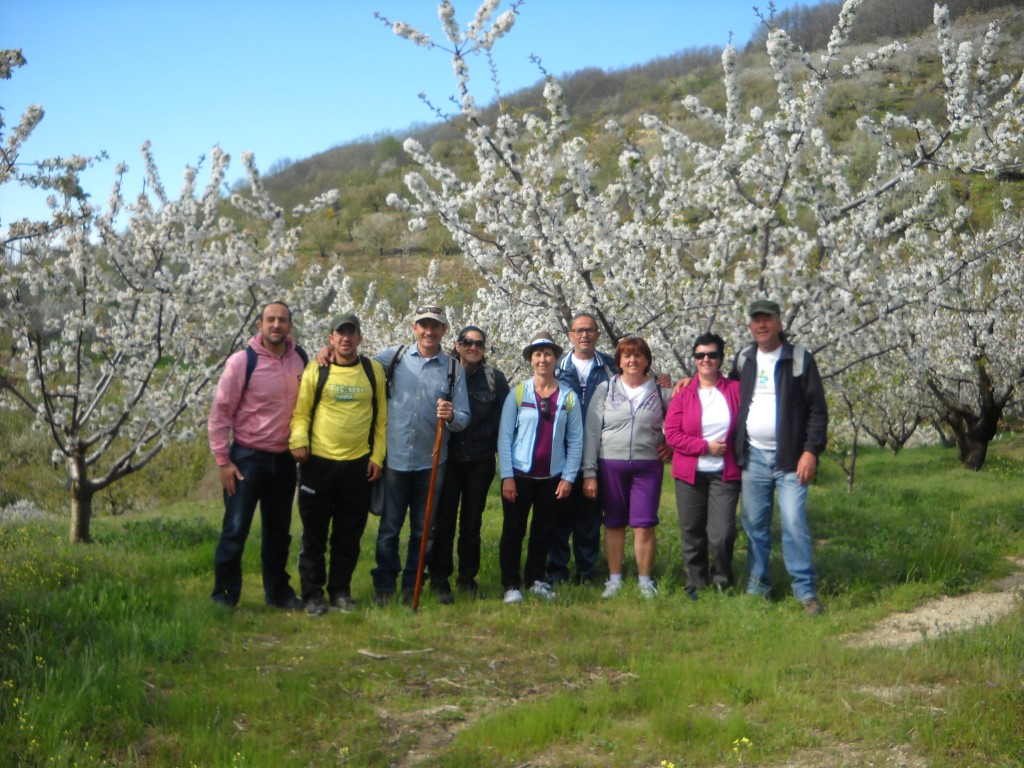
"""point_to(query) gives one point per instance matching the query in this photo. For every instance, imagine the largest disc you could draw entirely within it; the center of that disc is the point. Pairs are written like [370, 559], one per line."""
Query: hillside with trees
[361, 232]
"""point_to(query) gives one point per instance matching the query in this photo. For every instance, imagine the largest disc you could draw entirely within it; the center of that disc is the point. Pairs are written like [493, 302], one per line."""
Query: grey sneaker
[316, 606]
[812, 607]
[648, 590]
[543, 589]
[513, 596]
[343, 603]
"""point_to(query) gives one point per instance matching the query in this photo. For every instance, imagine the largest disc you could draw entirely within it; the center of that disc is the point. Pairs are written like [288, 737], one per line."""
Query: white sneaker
[648, 590]
[513, 596]
[611, 588]
[543, 589]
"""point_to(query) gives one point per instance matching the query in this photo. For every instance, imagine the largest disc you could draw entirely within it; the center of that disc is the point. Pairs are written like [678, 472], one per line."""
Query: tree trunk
[972, 451]
[81, 515]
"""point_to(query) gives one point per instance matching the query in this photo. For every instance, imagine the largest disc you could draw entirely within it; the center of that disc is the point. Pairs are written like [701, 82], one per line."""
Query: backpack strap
[390, 372]
[321, 381]
[251, 358]
[489, 375]
[368, 370]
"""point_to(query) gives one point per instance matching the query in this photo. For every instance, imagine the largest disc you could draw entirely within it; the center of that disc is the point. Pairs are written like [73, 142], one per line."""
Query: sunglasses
[467, 343]
[429, 311]
[709, 355]
[545, 409]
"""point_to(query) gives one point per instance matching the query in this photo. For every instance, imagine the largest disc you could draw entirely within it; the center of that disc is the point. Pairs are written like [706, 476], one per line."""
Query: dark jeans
[469, 481]
[579, 518]
[539, 494]
[334, 499]
[269, 480]
[404, 492]
[707, 521]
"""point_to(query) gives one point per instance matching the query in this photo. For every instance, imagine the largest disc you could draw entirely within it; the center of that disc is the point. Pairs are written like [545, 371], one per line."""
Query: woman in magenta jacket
[699, 426]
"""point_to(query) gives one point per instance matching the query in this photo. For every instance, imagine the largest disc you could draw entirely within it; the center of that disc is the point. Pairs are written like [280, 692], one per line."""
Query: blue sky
[290, 79]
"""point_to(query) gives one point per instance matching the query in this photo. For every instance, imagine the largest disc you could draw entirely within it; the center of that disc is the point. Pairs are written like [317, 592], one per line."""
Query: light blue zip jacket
[517, 434]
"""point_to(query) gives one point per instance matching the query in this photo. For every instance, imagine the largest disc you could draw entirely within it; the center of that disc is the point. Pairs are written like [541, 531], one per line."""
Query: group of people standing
[580, 444]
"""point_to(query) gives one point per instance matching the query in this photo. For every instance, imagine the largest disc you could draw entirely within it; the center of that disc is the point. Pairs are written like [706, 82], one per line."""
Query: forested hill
[372, 241]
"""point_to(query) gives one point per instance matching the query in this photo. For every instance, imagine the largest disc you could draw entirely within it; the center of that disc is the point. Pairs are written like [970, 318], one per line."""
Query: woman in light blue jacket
[540, 446]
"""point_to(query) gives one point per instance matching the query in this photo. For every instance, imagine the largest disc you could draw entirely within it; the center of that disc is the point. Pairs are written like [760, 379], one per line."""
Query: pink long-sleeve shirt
[258, 417]
[684, 431]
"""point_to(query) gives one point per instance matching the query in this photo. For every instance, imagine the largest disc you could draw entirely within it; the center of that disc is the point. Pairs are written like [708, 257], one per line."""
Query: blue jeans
[403, 492]
[760, 481]
[269, 480]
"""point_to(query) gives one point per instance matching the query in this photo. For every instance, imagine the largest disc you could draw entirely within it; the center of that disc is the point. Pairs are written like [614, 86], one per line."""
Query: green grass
[112, 654]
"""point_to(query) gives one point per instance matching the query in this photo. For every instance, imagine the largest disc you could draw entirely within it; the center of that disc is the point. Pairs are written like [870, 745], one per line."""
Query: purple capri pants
[630, 492]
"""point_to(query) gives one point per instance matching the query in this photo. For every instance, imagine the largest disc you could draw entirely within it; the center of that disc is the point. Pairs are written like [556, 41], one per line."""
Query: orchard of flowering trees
[121, 317]
[902, 291]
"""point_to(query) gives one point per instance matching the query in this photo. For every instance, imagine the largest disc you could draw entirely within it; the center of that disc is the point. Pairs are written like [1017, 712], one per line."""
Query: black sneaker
[293, 603]
[223, 599]
[469, 587]
[382, 598]
[407, 596]
[444, 592]
[343, 603]
[316, 606]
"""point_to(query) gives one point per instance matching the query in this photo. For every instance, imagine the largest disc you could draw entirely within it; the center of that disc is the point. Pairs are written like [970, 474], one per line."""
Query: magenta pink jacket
[683, 430]
[259, 417]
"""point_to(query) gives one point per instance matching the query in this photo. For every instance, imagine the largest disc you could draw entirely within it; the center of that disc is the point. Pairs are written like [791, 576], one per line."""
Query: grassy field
[112, 653]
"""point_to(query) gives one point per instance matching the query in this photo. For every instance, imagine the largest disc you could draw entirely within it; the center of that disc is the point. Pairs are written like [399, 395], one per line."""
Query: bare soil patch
[946, 614]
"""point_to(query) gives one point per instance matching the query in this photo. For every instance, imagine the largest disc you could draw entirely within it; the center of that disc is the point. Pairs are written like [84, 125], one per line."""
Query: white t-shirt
[583, 368]
[761, 418]
[714, 423]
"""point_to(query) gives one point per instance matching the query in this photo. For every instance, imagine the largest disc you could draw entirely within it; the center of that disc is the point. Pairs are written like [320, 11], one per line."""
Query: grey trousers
[707, 521]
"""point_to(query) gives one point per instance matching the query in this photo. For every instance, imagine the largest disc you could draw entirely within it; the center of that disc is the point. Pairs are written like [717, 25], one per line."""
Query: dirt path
[946, 614]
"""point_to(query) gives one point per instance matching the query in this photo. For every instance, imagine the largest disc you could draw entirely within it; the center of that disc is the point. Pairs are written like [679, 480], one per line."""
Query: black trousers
[467, 482]
[334, 502]
[540, 495]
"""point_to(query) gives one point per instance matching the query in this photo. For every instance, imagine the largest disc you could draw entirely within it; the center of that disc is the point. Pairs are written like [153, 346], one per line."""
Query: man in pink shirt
[249, 426]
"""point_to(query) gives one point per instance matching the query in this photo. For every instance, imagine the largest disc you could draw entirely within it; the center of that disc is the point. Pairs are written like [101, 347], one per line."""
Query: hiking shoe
[445, 597]
[513, 596]
[382, 598]
[611, 588]
[316, 606]
[812, 607]
[469, 587]
[407, 596]
[293, 603]
[648, 590]
[224, 599]
[543, 589]
[343, 603]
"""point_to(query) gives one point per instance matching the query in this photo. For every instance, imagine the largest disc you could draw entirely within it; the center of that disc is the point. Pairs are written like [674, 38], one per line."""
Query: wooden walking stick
[426, 516]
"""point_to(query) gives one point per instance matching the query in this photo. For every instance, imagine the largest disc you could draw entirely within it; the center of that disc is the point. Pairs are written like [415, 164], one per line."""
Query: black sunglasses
[478, 343]
[545, 408]
[709, 355]
[429, 311]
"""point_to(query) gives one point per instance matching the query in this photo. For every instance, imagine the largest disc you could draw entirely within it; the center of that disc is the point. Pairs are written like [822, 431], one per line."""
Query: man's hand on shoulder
[325, 356]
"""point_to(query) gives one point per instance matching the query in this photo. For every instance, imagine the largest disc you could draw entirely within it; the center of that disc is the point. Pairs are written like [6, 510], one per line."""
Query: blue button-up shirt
[416, 386]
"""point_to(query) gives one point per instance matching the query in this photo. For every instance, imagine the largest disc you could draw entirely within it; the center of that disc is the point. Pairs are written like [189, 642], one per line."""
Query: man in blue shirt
[423, 389]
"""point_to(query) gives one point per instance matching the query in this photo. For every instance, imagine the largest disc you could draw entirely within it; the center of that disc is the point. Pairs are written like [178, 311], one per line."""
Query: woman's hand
[563, 490]
[716, 447]
[508, 489]
[590, 487]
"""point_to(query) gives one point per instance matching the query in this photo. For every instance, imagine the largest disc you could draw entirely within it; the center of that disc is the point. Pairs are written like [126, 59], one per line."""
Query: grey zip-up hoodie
[616, 430]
